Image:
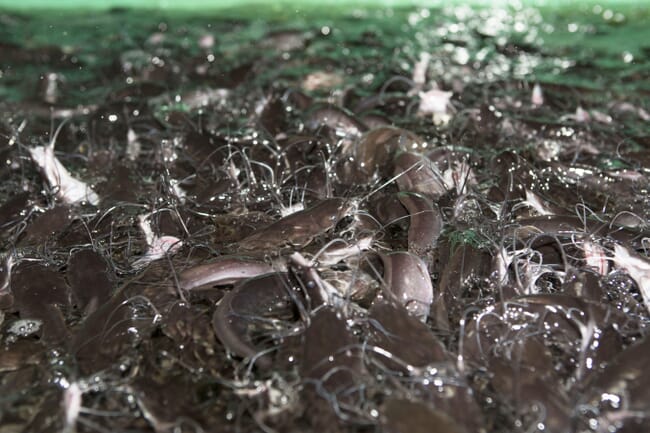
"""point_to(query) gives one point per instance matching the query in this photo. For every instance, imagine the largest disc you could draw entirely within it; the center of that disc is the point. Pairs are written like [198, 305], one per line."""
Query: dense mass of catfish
[278, 250]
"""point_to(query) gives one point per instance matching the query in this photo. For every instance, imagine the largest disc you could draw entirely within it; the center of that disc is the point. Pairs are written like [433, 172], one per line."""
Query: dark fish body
[299, 228]
[620, 391]
[89, 278]
[408, 282]
[425, 223]
[384, 221]
[246, 306]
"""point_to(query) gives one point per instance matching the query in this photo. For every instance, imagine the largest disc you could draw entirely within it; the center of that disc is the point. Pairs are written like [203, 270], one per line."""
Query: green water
[215, 5]
[604, 51]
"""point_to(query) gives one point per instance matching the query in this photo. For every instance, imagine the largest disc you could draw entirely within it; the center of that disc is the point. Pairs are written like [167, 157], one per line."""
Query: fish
[222, 271]
[299, 228]
[67, 188]
[251, 304]
[408, 282]
[425, 223]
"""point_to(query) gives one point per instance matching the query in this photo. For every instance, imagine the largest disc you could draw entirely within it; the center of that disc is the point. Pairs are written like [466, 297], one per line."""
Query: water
[501, 151]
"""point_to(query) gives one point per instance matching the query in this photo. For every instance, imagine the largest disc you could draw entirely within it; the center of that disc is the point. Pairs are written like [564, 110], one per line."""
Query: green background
[219, 4]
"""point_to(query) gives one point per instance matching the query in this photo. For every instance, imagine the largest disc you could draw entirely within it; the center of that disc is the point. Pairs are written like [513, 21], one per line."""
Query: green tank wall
[203, 5]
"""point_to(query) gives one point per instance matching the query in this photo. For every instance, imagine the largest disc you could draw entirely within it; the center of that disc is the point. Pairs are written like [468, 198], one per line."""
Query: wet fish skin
[39, 292]
[581, 328]
[566, 225]
[621, 392]
[468, 267]
[396, 331]
[334, 117]
[417, 174]
[371, 157]
[89, 277]
[532, 395]
[425, 223]
[407, 416]
[266, 296]
[408, 282]
[408, 347]
[224, 270]
[337, 362]
[299, 228]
